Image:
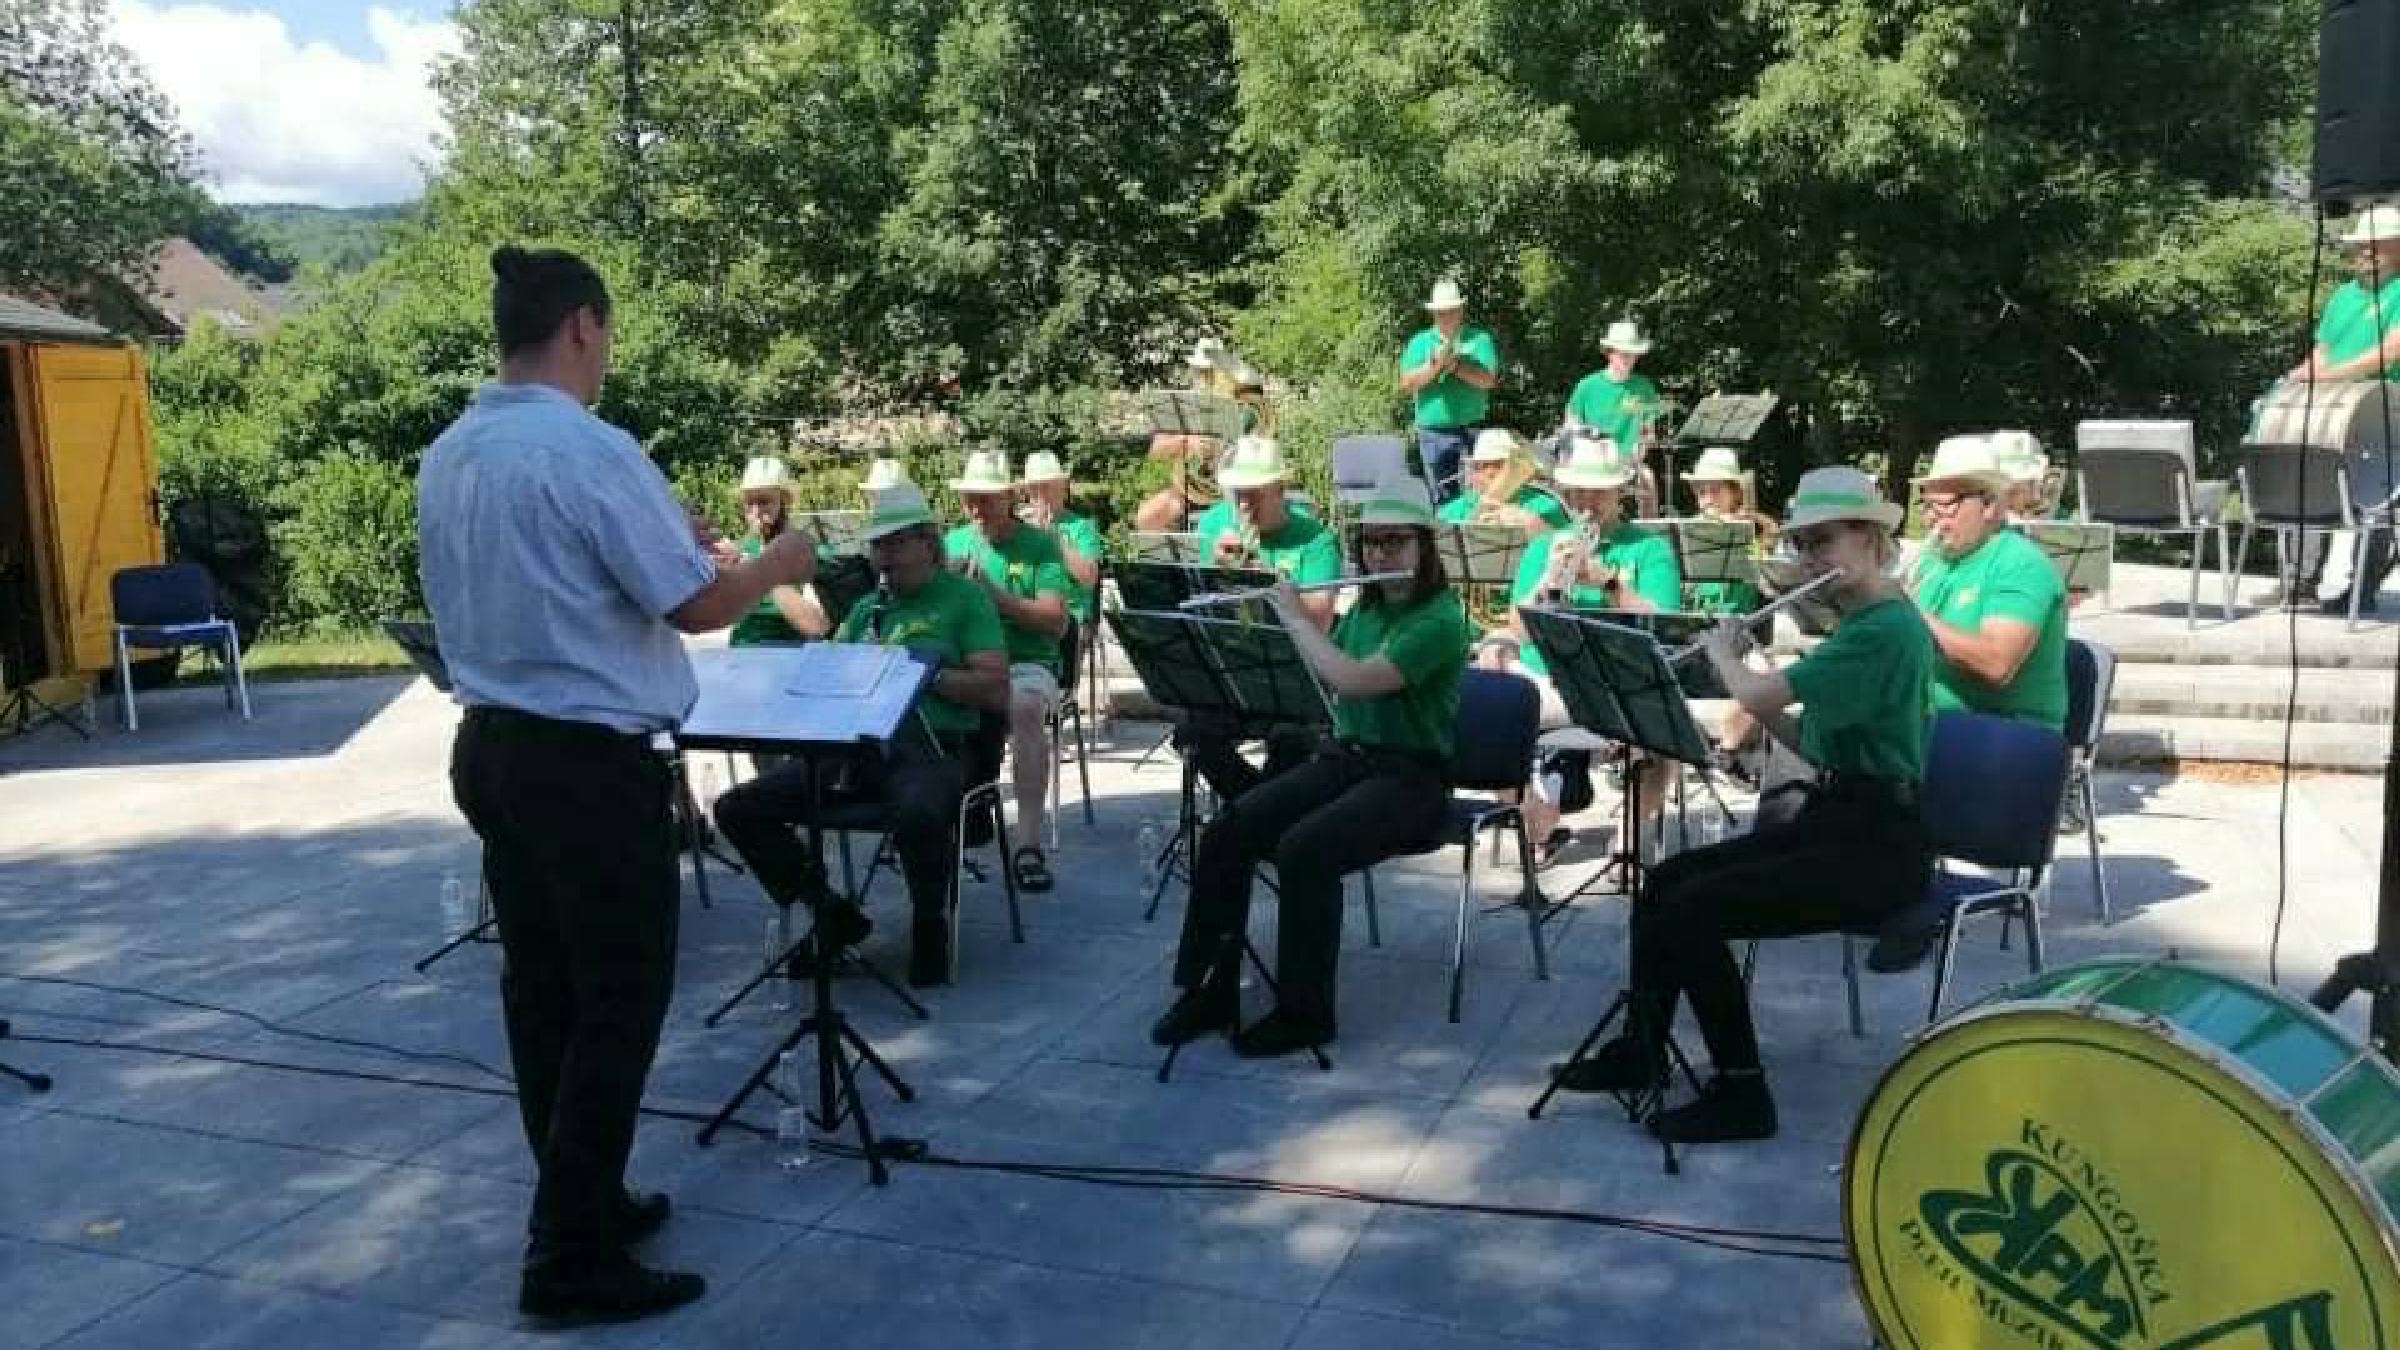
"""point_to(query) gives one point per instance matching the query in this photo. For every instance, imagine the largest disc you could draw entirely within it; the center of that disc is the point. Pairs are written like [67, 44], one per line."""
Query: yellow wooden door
[92, 415]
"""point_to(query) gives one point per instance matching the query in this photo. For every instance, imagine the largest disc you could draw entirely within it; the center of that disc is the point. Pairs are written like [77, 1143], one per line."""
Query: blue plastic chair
[165, 608]
[1499, 721]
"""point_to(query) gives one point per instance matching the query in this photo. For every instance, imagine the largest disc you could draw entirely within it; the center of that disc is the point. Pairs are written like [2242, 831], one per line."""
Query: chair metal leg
[1458, 940]
[1941, 970]
[2358, 573]
[2033, 938]
[1374, 917]
[2241, 560]
[2225, 564]
[1058, 765]
[1537, 905]
[1749, 963]
[2191, 603]
[1083, 765]
[2091, 838]
[1858, 1017]
[133, 720]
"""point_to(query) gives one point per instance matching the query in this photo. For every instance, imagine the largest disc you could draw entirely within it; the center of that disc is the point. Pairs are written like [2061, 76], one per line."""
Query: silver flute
[1210, 599]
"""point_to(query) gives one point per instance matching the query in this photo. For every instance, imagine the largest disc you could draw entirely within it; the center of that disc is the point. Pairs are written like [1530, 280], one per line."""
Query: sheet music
[822, 693]
[2083, 554]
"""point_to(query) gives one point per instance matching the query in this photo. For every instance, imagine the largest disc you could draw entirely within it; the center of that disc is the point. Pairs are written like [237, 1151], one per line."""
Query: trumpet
[1212, 599]
[1766, 611]
[1568, 558]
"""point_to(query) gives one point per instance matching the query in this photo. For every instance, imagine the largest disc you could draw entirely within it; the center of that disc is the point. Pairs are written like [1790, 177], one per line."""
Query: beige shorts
[1028, 677]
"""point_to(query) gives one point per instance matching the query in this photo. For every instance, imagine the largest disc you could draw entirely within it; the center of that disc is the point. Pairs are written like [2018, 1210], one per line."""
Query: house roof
[24, 321]
[187, 284]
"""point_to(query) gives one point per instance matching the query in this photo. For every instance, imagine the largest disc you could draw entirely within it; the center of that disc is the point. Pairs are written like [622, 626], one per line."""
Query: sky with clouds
[327, 102]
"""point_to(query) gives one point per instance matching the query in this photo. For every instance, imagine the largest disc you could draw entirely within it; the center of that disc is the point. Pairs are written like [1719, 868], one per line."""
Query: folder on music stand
[1616, 683]
[1726, 419]
[1162, 586]
[1189, 412]
[1180, 549]
[2083, 554]
[1480, 555]
[1710, 550]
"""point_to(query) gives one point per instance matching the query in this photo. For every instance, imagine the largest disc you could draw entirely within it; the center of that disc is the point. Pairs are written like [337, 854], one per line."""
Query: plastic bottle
[457, 918]
[1148, 843]
[791, 1117]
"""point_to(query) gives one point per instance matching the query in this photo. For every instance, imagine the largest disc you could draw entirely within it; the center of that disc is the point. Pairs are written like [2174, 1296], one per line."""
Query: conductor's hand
[791, 558]
[1728, 641]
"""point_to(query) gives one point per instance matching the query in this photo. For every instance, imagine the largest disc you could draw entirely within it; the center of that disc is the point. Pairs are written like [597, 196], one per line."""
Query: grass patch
[313, 656]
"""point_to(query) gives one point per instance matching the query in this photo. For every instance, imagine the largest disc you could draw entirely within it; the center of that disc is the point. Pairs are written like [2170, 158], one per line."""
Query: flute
[1208, 599]
[1765, 611]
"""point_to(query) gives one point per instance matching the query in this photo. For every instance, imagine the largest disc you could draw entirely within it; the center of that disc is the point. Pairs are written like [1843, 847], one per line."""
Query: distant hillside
[342, 238]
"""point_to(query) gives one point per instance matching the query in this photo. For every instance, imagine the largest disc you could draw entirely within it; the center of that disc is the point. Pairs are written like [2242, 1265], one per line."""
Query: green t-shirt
[1451, 401]
[1303, 550]
[1614, 409]
[1027, 565]
[1645, 556]
[764, 622]
[2349, 328]
[2007, 577]
[1866, 693]
[1552, 511]
[1428, 642]
[1085, 536]
[948, 614]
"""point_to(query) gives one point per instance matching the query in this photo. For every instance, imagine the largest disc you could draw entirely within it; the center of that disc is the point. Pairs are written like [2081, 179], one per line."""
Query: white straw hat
[1966, 459]
[893, 509]
[1839, 492]
[2374, 225]
[1402, 499]
[883, 475]
[1626, 336]
[1593, 462]
[1493, 446]
[2020, 456]
[766, 473]
[1207, 354]
[1043, 467]
[1717, 464]
[986, 471]
[1446, 295]
[1255, 462]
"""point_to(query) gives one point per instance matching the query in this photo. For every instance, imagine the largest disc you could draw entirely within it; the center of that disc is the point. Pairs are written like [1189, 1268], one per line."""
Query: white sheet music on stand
[822, 693]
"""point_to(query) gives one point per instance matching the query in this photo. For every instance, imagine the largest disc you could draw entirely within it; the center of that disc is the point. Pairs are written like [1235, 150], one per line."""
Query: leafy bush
[349, 541]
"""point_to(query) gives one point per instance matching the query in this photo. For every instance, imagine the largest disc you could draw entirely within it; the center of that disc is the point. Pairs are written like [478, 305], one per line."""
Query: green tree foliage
[336, 238]
[93, 171]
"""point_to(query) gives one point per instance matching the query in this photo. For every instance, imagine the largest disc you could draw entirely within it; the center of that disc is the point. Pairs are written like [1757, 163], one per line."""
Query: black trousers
[1214, 746]
[579, 852]
[1332, 816]
[1842, 859]
[915, 780]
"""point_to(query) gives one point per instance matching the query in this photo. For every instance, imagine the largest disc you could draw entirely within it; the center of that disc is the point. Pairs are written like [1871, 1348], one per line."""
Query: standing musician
[1613, 401]
[948, 622]
[1853, 854]
[561, 575]
[1501, 490]
[1392, 665]
[787, 613]
[1257, 526]
[1046, 488]
[1450, 370]
[1603, 561]
[1214, 369]
[1995, 605]
[1025, 573]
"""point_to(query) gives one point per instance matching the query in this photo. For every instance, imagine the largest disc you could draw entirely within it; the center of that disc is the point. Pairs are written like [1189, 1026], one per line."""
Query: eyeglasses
[1808, 541]
[1386, 541]
[1944, 504]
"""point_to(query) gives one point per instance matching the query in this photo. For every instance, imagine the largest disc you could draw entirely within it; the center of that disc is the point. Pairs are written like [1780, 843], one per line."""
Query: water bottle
[456, 917]
[791, 1118]
[1148, 844]
[712, 782]
[779, 941]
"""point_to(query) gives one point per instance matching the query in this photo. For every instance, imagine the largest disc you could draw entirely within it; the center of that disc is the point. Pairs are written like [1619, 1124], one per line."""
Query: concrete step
[2149, 739]
[2328, 694]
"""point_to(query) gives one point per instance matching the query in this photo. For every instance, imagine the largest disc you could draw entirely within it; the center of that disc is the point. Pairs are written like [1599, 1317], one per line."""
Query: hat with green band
[1399, 500]
[896, 508]
[986, 471]
[1593, 462]
[1839, 492]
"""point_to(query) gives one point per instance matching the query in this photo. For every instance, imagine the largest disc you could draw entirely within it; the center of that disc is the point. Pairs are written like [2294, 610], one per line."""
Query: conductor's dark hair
[534, 291]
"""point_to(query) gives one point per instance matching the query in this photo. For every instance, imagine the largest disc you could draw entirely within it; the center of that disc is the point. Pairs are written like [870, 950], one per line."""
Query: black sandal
[1033, 870]
[1546, 852]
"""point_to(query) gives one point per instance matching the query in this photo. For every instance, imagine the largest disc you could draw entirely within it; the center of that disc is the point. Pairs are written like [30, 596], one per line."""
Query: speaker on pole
[2358, 101]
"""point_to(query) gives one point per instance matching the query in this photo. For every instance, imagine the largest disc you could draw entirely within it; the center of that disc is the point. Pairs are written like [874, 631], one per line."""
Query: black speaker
[2358, 101]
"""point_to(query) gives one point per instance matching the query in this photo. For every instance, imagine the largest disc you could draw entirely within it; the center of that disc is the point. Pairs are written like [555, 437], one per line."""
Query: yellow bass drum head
[2130, 1155]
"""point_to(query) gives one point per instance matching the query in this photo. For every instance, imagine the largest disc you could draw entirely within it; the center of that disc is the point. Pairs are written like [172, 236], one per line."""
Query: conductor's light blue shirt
[551, 550]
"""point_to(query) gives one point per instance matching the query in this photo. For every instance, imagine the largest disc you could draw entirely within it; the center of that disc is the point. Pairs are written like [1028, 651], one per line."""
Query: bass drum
[2353, 418]
[2130, 1153]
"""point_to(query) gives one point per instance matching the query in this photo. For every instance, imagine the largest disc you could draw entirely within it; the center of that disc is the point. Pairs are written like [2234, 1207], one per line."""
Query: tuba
[1521, 471]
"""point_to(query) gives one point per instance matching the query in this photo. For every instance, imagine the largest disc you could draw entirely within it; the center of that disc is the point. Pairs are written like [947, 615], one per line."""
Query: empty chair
[1362, 461]
[2143, 478]
[168, 607]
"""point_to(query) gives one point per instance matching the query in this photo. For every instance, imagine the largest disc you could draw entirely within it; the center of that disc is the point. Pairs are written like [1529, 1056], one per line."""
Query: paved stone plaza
[291, 869]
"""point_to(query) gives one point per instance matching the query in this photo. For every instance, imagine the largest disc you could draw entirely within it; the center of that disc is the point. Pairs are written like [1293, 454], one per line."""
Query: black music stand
[813, 701]
[21, 709]
[1191, 412]
[1617, 683]
[423, 647]
[1726, 419]
[1180, 549]
[1710, 550]
[1251, 672]
[2082, 553]
[1480, 555]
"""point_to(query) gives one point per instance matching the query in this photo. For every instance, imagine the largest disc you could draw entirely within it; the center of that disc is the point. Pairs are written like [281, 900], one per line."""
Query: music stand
[21, 709]
[1191, 412]
[1726, 419]
[1480, 555]
[1616, 682]
[2083, 553]
[417, 641]
[1181, 549]
[1158, 587]
[836, 532]
[1710, 550]
[821, 699]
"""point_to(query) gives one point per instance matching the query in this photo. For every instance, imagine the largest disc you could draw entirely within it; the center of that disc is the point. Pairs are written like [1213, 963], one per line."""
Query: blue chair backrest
[1992, 790]
[1499, 723]
[153, 597]
[2091, 670]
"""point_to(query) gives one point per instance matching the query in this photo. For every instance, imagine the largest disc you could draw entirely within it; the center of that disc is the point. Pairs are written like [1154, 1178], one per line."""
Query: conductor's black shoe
[642, 1215]
[1195, 1014]
[929, 953]
[609, 1288]
[1733, 1107]
[1281, 1032]
[1907, 938]
[1622, 1065]
[841, 924]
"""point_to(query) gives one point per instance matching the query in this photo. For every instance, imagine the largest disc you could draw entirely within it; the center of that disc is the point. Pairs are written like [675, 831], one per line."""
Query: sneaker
[1619, 1066]
[1731, 1108]
[1195, 1014]
[1281, 1032]
[609, 1288]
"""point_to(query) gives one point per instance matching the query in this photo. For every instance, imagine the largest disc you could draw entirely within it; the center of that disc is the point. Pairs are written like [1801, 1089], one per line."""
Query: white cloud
[278, 120]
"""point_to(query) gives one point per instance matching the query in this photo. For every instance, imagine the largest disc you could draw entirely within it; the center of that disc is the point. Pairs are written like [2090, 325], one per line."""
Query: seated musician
[1500, 488]
[1722, 491]
[943, 618]
[1603, 562]
[1392, 665]
[1046, 488]
[1213, 369]
[1024, 571]
[1257, 526]
[786, 613]
[2027, 496]
[1994, 603]
[1853, 854]
[2357, 338]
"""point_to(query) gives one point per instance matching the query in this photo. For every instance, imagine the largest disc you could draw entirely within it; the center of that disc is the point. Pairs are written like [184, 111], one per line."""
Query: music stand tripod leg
[1223, 969]
[481, 932]
[38, 1082]
[1172, 857]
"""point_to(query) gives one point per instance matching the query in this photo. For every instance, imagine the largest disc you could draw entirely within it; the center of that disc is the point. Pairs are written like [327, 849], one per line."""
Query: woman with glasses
[1392, 667]
[1853, 854]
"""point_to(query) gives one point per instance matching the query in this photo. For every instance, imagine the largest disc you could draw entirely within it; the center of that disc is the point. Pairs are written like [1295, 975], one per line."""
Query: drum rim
[2279, 1103]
